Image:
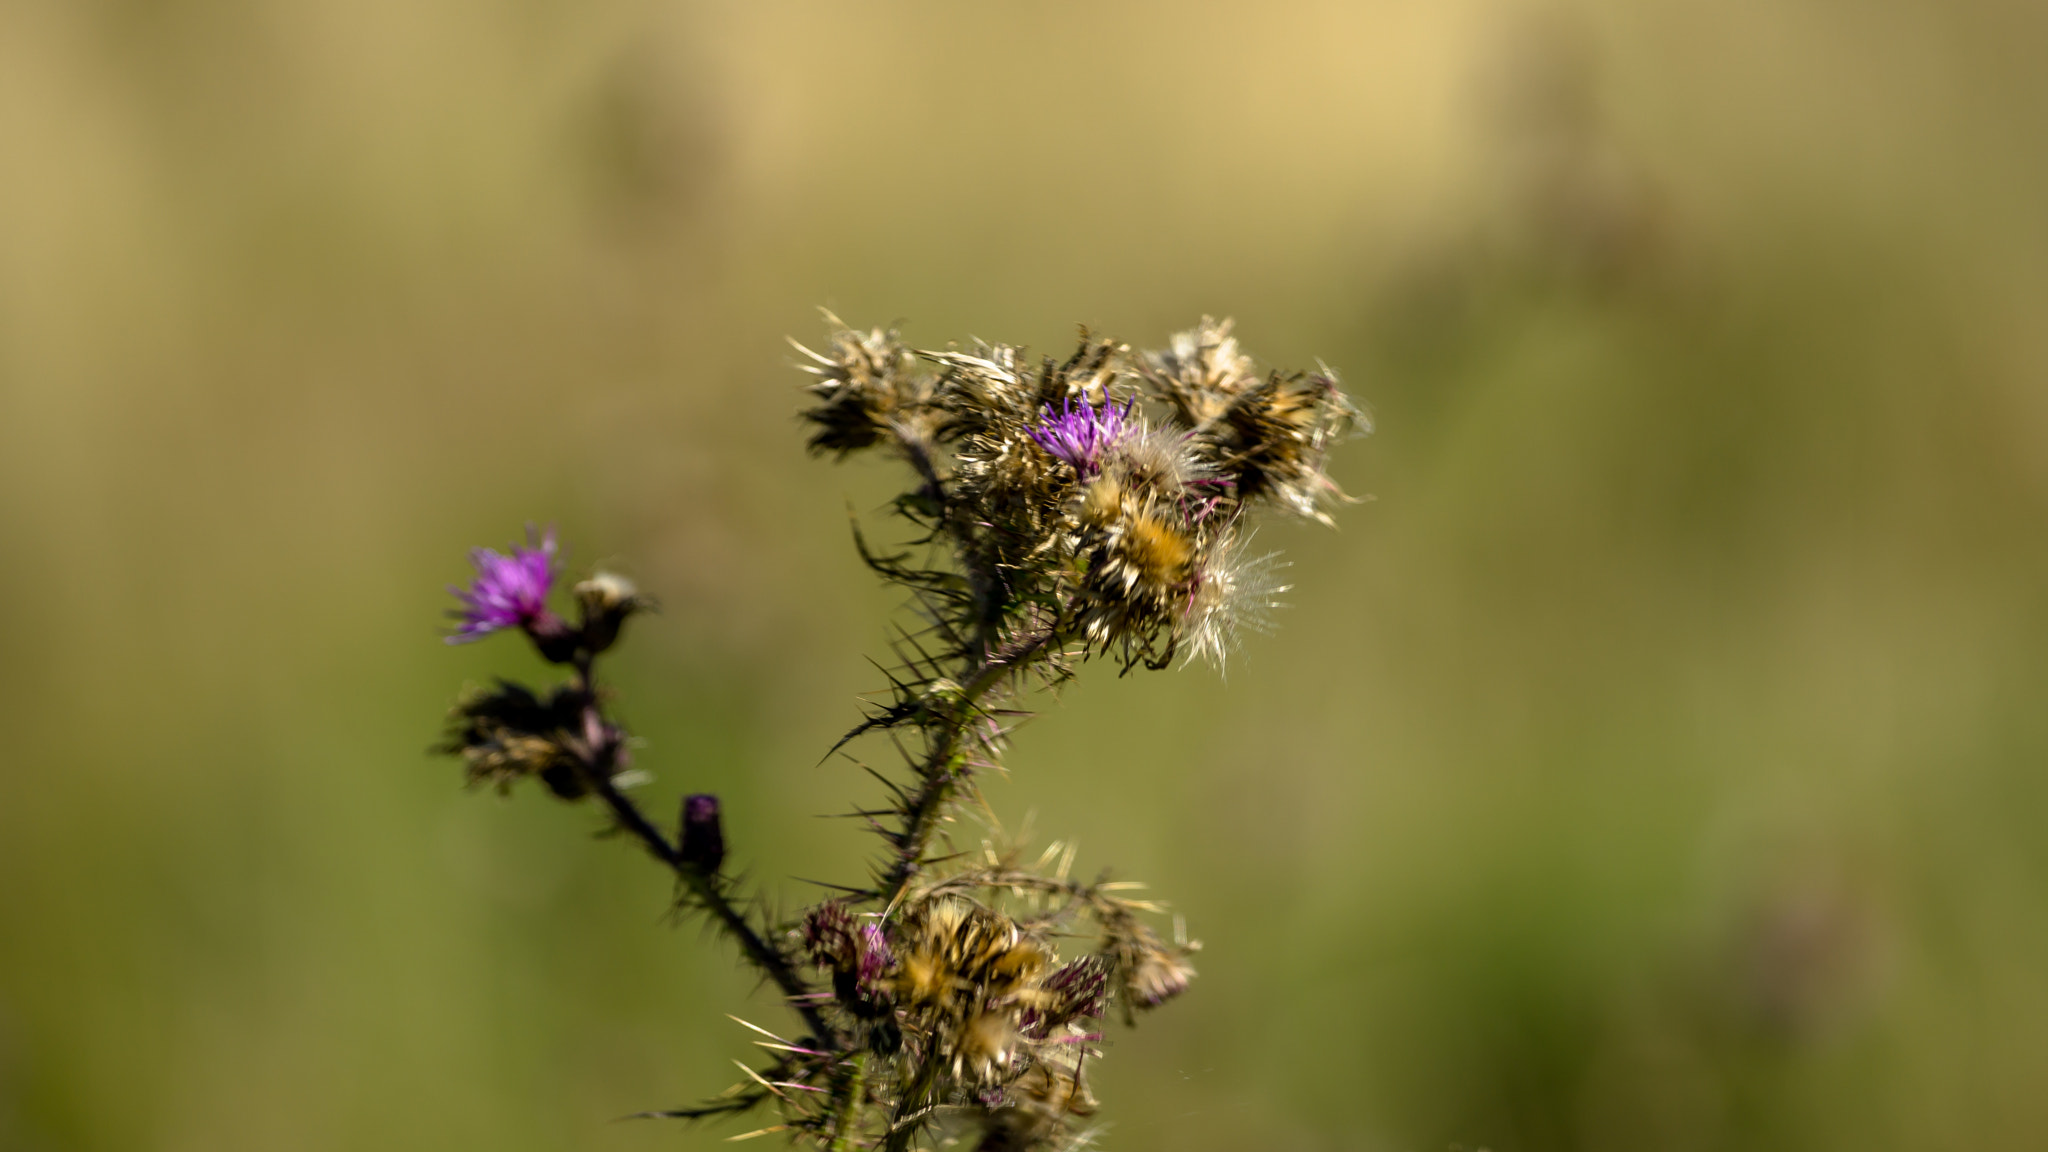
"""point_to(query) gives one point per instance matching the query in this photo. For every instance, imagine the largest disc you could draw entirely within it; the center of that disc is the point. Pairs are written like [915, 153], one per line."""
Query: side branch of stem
[703, 886]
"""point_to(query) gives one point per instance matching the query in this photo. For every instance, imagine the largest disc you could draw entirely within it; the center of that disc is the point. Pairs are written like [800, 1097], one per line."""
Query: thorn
[827, 884]
[757, 1028]
[756, 1076]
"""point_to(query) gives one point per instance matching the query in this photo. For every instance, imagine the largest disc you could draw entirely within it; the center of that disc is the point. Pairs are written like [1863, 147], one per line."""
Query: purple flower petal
[509, 591]
[874, 959]
[1083, 436]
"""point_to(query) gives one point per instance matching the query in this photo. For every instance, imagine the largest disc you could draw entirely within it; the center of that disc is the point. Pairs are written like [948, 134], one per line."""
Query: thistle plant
[1098, 507]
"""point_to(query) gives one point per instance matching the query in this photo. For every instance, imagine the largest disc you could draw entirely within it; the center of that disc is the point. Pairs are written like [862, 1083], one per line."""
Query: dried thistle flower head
[1154, 974]
[1233, 594]
[869, 390]
[1037, 1108]
[505, 734]
[1106, 495]
[1272, 434]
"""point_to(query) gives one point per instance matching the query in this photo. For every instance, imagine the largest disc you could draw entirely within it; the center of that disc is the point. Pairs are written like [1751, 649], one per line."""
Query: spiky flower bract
[1272, 433]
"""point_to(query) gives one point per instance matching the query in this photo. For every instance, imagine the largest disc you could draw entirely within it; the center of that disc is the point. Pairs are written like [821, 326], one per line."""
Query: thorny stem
[849, 1107]
[941, 771]
[904, 1128]
[941, 774]
[596, 755]
[1014, 582]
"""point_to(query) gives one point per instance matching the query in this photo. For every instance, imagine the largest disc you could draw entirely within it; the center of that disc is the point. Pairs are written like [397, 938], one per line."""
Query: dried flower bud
[703, 843]
[564, 780]
[607, 599]
[1077, 989]
[1031, 1108]
[829, 936]
[869, 391]
[1158, 976]
[552, 637]
[857, 955]
[1269, 435]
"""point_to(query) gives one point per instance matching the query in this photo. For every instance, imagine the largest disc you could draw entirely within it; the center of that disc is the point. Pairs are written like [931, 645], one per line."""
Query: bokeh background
[1657, 762]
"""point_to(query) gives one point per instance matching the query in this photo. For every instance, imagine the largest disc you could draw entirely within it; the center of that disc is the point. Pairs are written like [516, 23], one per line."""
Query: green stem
[849, 1108]
[703, 886]
[902, 1129]
[943, 767]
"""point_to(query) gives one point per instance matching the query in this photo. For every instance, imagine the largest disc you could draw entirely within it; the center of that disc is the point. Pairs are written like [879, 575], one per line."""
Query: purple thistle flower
[509, 591]
[874, 959]
[1083, 436]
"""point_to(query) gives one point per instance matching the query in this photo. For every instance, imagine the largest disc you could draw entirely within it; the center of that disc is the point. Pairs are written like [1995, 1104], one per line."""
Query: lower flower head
[510, 591]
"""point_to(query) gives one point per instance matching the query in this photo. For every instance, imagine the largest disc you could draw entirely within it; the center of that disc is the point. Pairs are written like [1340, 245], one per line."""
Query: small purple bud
[703, 844]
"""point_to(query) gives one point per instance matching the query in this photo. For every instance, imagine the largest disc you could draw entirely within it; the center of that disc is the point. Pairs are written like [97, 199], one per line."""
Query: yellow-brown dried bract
[1158, 552]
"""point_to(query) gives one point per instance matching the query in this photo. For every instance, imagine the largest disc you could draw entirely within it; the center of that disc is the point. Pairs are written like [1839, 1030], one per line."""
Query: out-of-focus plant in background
[1657, 762]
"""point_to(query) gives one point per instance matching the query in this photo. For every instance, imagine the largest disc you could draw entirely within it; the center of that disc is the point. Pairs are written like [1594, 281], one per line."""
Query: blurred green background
[1655, 763]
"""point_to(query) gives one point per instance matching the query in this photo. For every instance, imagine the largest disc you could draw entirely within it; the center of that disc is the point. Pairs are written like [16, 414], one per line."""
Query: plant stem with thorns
[600, 751]
[1093, 507]
[944, 768]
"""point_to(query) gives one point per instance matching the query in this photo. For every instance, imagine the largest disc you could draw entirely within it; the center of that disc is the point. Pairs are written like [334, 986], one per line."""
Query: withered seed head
[869, 391]
[506, 733]
[1153, 973]
[1271, 435]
